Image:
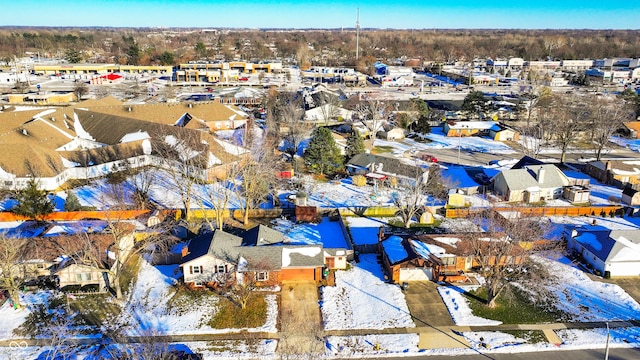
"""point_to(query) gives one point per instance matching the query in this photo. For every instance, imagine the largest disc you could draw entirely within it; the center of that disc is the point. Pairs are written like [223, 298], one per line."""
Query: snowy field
[362, 300]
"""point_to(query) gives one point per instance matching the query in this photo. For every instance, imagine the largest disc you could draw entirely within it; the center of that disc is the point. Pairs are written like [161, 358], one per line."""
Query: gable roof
[262, 235]
[248, 256]
[527, 177]
[609, 245]
[526, 161]
[171, 113]
[218, 243]
[390, 165]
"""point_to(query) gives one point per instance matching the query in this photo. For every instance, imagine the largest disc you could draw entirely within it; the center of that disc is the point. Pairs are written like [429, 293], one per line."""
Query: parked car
[429, 158]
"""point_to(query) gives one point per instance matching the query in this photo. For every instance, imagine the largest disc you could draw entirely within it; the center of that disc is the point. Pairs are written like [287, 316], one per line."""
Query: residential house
[633, 128]
[460, 181]
[631, 197]
[610, 253]
[62, 144]
[402, 263]
[490, 129]
[261, 253]
[530, 184]
[72, 273]
[381, 167]
[327, 113]
[434, 258]
[390, 132]
[619, 173]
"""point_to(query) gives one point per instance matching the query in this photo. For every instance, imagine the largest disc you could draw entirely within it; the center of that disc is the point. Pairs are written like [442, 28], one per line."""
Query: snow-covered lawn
[582, 299]
[341, 194]
[372, 346]
[149, 311]
[12, 319]
[440, 141]
[459, 307]
[361, 299]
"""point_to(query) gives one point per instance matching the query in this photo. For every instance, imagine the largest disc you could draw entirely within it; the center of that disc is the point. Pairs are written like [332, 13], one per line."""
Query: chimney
[540, 175]
[608, 165]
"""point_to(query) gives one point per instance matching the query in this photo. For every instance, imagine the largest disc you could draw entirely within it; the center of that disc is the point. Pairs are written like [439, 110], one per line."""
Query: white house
[611, 253]
[530, 184]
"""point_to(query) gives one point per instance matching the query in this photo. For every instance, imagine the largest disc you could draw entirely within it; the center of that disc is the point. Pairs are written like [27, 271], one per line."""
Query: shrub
[359, 180]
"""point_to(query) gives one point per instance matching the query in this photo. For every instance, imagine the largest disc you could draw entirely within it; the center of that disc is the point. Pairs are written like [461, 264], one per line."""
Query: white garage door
[418, 274]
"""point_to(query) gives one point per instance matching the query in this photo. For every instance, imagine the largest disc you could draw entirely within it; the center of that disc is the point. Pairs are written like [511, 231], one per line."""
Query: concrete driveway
[426, 305]
[300, 326]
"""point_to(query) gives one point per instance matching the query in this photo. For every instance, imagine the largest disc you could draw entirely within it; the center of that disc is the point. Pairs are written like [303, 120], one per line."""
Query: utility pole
[357, 34]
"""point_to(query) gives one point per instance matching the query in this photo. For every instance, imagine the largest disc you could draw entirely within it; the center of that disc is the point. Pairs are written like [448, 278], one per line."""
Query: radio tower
[357, 34]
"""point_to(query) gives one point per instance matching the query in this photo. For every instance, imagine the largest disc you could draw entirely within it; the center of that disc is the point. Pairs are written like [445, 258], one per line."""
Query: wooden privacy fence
[80, 215]
[542, 211]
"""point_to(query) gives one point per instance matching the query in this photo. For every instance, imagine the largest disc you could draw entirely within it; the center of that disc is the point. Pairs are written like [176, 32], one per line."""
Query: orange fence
[542, 211]
[80, 215]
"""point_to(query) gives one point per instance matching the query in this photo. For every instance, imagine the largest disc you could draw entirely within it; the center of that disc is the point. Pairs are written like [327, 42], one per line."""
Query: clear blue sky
[408, 14]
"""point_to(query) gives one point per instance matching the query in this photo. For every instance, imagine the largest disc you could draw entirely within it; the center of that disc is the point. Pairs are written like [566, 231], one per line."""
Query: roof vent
[53, 119]
[190, 105]
[129, 109]
[24, 132]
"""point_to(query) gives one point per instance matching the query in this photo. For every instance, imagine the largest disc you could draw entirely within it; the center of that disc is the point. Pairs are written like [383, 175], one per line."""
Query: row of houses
[97, 137]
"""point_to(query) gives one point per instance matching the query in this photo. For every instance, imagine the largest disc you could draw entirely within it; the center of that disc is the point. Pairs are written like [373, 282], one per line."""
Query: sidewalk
[436, 337]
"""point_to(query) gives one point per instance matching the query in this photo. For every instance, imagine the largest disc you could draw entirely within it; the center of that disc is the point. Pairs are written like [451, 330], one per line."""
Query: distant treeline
[331, 47]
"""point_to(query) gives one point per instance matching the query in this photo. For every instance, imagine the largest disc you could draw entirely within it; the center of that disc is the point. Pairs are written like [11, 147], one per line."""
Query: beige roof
[26, 158]
[170, 113]
[29, 139]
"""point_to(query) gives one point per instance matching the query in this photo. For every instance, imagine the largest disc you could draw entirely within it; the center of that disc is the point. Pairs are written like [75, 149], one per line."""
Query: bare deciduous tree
[185, 157]
[567, 117]
[501, 251]
[11, 252]
[373, 113]
[606, 116]
[412, 195]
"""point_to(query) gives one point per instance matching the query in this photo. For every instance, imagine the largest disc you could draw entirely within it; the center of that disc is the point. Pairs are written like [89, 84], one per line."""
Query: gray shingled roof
[522, 179]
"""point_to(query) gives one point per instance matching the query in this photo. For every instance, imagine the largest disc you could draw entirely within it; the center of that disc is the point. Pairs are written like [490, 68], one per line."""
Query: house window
[222, 268]
[83, 276]
[196, 269]
[340, 258]
[262, 276]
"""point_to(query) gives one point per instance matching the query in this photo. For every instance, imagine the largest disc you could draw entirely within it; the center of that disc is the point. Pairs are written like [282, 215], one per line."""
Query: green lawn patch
[513, 307]
[94, 309]
[230, 315]
[130, 272]
[529, 336]
[382, 149]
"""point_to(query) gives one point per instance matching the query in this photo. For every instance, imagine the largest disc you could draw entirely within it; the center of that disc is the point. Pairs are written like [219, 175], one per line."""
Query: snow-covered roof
[395, 250]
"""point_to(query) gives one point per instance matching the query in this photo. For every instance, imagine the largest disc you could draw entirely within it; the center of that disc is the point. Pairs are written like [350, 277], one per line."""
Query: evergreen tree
[355, 145]
[72, 203]
[322, 154]
[475, 102]
[33, 203]
[422, 125]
